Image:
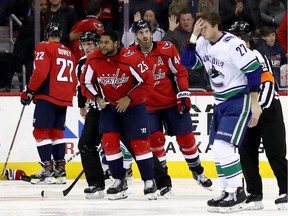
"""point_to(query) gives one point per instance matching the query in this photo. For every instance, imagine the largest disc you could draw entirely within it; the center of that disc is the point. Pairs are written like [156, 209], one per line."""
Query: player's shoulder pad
[201, 41]
[134, 47]
[228, 37]
[44, 42]
[42, 46]
[231, 41]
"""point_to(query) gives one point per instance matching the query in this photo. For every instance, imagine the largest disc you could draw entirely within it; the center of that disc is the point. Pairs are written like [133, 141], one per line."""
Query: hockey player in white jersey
[235, 76]
[270, 128]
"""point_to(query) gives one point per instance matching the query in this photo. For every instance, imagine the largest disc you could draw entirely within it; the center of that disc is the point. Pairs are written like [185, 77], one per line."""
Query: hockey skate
[166, 192]
[94, 192]
[46, 175]
[202, 180]
[213, 204]
[233, 202]
[150, 189]
[118, 189]
[60, 172]
[282, 202]
[254, 202]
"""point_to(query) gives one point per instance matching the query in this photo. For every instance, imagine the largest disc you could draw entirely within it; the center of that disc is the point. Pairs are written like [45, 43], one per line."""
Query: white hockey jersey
[226, 62]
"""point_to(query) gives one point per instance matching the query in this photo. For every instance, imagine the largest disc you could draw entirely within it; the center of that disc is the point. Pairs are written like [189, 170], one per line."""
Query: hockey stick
[28, 178]
[12, 143]
[59, 194]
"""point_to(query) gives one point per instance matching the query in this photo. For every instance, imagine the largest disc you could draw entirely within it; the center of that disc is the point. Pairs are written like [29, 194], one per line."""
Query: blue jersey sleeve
[254, 79]
[188, 58]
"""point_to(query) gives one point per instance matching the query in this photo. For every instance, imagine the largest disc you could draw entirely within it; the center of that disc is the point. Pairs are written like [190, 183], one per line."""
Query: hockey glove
[27, 96]
[183, 102]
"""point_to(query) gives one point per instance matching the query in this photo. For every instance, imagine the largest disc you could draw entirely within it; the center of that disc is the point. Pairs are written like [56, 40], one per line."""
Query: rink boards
[24, 153]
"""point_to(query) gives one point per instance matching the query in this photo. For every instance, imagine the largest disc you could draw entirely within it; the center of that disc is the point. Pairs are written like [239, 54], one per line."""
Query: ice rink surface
[23, 199]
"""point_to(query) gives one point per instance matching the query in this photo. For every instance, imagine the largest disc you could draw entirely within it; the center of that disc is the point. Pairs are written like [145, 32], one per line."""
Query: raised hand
[173, 24]
[137, 16]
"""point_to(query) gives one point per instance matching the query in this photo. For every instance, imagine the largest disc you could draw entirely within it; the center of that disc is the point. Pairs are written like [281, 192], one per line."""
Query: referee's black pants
[271, 128]
[88, 146]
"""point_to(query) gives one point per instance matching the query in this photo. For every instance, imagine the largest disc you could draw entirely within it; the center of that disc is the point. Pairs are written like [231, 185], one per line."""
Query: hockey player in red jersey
[169, 101]
[51, 87]
[120, 81]
[90, 22]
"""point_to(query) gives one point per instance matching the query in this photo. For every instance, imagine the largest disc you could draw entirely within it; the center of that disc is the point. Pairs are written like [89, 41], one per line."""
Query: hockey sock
[116, 165]
[44, 148]
[146, 167]
[58, 150]
[228, 162]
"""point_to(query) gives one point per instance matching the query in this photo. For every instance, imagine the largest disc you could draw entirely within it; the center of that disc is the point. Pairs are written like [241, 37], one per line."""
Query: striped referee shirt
[268, 89]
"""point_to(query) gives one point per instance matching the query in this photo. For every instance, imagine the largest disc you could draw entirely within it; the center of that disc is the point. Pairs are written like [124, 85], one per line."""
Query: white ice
[18, 198]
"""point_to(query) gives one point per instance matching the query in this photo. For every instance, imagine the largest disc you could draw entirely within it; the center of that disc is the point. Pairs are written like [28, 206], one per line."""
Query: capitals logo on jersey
[114, 79]
[167, 45]
[129, 53]
[98, 26]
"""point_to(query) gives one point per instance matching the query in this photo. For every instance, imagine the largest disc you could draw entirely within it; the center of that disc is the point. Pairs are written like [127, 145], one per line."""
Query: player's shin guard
[189, 150]
[114, 157]
[228, 163]
[157, 142]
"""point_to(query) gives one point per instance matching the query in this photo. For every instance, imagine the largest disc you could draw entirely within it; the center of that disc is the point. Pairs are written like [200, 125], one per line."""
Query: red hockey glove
[27, 96]
[183, 102]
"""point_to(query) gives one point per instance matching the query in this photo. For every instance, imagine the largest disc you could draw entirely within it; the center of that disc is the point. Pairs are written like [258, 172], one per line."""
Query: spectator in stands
[206, 6]
[236, 10]
[282, 34]
[61, 13]
[23, 52]
[25, 42]
[91, 22]
[109, 14]
[272, 12]
[158, 33]
[177, 6]
[179, 34]
[272, 49]
[161, 6]
[20, 8]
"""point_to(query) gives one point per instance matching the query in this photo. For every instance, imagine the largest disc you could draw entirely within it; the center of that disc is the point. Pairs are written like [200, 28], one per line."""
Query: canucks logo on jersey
[216, 77]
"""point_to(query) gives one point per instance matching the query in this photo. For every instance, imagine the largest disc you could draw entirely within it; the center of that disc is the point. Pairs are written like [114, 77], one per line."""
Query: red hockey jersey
[169, 75]
[53, 77]
[126, 73]
[87, 24]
